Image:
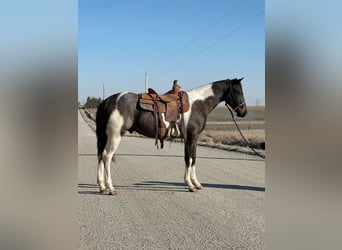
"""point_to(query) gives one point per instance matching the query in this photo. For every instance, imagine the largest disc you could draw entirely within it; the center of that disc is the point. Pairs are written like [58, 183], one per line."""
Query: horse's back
[119, 101]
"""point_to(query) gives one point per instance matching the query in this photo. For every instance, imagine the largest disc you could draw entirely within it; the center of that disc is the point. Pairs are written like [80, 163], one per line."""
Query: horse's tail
[101, 123]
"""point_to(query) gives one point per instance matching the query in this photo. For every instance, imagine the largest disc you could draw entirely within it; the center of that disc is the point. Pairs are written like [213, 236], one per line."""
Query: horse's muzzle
[242, 111]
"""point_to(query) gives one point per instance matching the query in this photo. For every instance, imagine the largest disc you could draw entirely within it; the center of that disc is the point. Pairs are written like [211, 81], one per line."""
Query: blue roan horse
[120, 113]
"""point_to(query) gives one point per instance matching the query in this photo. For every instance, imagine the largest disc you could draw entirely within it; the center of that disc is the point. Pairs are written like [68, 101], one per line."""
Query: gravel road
[154, 210]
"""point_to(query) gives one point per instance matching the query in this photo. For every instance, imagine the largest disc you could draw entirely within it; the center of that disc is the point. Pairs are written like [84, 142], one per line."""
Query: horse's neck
[205, 93]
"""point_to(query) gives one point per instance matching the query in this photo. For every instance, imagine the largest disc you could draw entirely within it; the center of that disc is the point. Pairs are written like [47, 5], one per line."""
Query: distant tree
[92, 102]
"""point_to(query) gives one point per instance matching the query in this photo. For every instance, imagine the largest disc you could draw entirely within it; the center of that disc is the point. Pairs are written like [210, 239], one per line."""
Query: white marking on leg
[194, 179]
[187, 175]
[107, 165]
[113, 131]
[101, 176]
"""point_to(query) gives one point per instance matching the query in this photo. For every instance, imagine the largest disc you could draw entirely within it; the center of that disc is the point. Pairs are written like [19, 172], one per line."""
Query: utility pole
[146, 81]
[103, 92]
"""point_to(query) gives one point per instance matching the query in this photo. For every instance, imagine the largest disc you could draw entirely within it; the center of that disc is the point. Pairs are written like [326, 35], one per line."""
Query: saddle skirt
[172, 105]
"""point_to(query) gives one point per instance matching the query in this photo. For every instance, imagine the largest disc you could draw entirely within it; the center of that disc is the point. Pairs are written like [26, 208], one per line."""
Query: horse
[120, 113]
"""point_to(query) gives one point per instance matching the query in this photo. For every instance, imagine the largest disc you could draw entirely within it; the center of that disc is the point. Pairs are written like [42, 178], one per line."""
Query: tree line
[92, 102]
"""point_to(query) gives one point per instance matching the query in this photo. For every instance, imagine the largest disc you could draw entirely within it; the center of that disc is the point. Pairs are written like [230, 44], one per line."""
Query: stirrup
[174, 131]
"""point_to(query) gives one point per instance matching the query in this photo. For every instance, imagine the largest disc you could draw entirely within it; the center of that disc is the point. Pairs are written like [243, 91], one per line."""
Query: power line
[199, 35]
[218, 41]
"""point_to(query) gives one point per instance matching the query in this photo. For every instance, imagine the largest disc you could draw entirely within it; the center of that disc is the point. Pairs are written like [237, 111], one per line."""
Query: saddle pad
[149, 106]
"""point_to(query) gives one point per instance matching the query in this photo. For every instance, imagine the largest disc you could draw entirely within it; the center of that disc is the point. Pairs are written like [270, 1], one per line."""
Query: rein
[243, 137]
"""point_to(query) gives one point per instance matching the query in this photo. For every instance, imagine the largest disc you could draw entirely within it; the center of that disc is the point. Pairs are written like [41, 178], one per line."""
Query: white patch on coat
[200, 93]
[113, 131]
[120, 95]
[167, 124]
[115, 123]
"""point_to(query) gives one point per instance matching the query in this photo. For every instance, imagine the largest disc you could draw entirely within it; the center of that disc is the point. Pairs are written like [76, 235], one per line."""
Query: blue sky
[196, 42]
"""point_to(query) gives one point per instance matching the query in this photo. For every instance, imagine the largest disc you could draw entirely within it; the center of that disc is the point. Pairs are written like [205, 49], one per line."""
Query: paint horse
[120, 113]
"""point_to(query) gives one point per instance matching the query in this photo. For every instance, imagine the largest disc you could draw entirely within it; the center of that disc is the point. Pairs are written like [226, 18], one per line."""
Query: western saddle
[171, 104]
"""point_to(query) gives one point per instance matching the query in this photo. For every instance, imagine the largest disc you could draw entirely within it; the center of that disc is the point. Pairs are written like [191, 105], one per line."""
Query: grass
[220, 128]
[221, 113]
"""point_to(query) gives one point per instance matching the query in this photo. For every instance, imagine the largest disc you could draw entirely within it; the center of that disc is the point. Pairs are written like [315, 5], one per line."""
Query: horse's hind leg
[113, 132]
[101, 175]
[111, 147]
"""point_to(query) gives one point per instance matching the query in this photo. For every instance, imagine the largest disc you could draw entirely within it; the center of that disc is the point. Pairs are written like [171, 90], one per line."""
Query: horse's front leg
[190, 177]
[193, 176]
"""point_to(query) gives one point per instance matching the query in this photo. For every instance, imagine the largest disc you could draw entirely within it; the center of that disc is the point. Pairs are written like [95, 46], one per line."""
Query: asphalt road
[154, 210]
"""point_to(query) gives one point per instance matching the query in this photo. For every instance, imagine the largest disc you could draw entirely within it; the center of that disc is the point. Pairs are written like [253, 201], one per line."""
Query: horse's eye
[237, 91]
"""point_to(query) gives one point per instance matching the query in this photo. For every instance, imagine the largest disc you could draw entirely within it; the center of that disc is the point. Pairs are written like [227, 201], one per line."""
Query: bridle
[231, 95]
[243, 103]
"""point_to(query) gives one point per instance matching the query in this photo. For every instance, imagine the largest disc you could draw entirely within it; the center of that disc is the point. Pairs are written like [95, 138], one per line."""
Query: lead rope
[243, 137]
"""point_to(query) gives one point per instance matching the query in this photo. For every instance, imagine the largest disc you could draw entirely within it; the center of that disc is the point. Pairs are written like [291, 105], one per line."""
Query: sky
[195, 42]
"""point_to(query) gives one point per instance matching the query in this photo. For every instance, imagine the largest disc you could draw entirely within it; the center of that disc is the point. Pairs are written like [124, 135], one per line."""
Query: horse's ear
[240, 79]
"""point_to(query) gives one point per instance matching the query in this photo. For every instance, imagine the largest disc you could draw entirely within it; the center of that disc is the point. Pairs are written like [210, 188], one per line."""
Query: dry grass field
[220, 128]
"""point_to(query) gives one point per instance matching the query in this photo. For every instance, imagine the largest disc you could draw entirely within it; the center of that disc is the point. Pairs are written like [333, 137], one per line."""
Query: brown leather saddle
[172, 104]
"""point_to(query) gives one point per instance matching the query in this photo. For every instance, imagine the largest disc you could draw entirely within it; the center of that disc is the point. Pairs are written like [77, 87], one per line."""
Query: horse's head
[234, 98]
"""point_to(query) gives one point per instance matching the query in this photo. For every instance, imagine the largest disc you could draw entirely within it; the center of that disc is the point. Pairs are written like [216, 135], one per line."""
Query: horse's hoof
[199, 187]
[103, 190]
[113, 192]
[192, 189]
